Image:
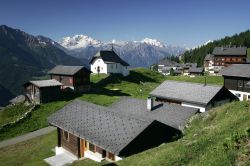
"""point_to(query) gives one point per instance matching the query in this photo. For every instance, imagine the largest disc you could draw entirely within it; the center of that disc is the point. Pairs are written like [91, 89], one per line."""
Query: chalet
[165, 66]
[76, 78]
[125, 128]
[225, 56]
[237, 80]
[194, 95]
[209, 63]
[196, 71]
[108, 62]
[42, 91]
[187, 66]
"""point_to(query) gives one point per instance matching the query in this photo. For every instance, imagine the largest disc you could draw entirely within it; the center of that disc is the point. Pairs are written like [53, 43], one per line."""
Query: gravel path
[27, 136]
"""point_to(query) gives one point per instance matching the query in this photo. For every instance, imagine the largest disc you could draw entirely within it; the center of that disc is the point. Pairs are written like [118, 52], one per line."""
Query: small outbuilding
[194, 95]
[42, 91]
[76, 78]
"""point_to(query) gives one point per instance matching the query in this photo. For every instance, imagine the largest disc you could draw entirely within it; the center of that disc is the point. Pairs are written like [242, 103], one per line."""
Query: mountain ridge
[137, 53]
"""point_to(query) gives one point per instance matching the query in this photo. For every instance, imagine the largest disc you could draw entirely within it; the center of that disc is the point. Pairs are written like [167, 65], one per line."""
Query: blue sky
[177, 22]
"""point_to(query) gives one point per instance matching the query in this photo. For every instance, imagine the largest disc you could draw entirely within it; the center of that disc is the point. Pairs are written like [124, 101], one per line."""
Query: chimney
[149, 103]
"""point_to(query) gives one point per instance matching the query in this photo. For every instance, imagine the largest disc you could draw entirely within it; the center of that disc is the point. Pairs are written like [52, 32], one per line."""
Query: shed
[42, 91]
[76, 78]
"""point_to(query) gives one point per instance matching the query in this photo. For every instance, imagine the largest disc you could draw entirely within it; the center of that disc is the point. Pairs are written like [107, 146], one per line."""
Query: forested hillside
[198, 54]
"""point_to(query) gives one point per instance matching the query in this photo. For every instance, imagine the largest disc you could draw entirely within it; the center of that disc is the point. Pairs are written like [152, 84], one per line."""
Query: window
[92, 147]
[237, 94]
[115, 65]
[101, 68]
[111, 66]
[248, 97]
[70, 80]
[60, 78]
[223, 59]
[66, 135]
[98, 60]
[240, 84]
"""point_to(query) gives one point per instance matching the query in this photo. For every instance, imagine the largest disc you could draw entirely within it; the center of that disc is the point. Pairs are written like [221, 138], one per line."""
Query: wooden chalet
[127, 127]
[76, 78]
[194, 95]
[237, 80]
[42, 91]
[225, 56]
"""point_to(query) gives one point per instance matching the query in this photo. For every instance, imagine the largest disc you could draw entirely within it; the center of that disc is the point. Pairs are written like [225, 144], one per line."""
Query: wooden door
[244, 97]
[82, 147]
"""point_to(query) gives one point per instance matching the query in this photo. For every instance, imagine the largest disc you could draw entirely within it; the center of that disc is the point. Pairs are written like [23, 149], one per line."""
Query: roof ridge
[213, 85]
[110, 110]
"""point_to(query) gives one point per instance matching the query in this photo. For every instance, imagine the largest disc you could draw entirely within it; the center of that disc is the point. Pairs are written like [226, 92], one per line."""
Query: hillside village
[128, 126]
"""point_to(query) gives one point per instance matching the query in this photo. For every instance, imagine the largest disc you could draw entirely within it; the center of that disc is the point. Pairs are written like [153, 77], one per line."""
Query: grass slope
[105, 91]
[248, 52]
[11, 113]
[221, 137]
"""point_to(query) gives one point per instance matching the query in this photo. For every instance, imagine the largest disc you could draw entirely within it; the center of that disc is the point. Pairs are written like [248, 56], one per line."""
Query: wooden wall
[236, 83]
[48, 94]
[224, 60]
[65, 80]
[71, 144]
[167, 100]
[80, 81]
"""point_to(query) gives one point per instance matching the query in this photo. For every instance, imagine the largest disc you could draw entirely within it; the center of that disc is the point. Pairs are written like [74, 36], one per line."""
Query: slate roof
[196, 70]
[99, 125]
[189, 65]
[66, 70]
[209, 57]
[237, 70]
[172, 115]
[167, 62]
[186, 92]
[177, 72]
[109, 57]
[230, 51]
[45, 83]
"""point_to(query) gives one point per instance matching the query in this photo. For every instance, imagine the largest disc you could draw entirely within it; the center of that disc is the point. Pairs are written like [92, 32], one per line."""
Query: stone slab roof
[230, 51]
[66, 70]
[186, 92]
[45, 83]
[172, 115]
[237, 70]
[196, 70]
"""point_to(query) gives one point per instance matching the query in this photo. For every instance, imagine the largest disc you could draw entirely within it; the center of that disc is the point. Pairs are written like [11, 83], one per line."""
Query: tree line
[198, 54]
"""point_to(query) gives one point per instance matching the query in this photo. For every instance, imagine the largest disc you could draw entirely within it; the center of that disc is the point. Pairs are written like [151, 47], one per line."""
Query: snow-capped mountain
[153, 42]
[79, 41]
[204, 44]
[137, 53]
